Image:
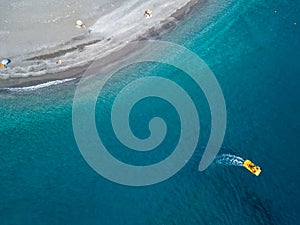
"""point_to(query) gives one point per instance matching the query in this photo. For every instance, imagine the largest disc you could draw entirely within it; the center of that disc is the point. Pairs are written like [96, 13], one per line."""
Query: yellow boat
[252, 167]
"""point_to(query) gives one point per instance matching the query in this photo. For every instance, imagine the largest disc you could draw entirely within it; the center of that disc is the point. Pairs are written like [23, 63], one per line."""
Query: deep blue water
[253, 52]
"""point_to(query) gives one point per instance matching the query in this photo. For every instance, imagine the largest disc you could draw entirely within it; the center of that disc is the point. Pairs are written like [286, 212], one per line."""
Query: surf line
[39, 86]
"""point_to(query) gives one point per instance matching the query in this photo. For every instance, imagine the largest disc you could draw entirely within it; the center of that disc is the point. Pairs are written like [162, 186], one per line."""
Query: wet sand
[153, 33]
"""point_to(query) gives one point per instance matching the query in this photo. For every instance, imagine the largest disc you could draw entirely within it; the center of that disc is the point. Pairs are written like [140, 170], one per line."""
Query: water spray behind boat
[229, 160]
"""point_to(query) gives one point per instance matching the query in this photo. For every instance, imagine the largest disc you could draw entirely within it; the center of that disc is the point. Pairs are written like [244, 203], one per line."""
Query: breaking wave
[39, 86]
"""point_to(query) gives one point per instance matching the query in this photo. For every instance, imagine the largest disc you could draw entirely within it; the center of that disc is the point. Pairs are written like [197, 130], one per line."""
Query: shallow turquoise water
[254, 54]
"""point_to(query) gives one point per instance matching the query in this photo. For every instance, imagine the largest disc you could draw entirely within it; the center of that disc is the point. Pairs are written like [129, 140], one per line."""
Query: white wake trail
[229, 160]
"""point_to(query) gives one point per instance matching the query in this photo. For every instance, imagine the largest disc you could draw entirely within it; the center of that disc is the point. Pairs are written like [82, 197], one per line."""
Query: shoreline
[153, 33]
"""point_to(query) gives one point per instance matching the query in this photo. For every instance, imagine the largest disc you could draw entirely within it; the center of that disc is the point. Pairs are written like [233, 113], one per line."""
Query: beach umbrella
[79, 22]
[5, 61]
[148, 11]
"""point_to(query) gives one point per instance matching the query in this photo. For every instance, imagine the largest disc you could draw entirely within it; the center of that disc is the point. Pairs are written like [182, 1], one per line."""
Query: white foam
[39, 86]
[230, 160]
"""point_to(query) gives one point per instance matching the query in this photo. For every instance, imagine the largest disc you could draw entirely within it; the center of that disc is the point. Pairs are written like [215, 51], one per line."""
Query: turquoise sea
[253, 49]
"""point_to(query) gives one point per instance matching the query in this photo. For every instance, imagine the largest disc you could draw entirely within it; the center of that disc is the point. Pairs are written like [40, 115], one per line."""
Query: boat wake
[229, 160]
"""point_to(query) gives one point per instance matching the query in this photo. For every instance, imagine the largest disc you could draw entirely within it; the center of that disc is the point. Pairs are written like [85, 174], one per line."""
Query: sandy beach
[78, 53]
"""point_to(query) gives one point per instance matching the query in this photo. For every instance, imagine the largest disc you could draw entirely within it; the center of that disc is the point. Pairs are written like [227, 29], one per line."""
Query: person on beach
[80, 24]
[4, 63]
[89, 30]
[148, 13]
